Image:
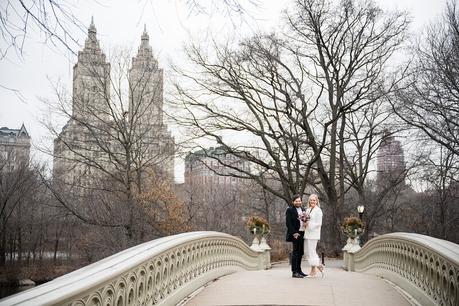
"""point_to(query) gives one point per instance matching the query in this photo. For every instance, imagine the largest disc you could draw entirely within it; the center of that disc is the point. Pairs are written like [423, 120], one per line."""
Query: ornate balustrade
[425, 267]
[159, 272]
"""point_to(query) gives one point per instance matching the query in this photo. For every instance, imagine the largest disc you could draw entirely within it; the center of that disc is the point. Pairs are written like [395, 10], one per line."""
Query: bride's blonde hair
[313, 195]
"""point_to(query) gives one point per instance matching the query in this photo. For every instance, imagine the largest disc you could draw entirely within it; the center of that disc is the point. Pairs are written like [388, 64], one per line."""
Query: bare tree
[61, 27]
[429, 101]
[31, 229]
[293, 95]
[441, 175]
[14, 187]
[227, 7]
[9, 188]
[115, 145]
[214, 199]
[217, 201]
[212, 207]
[366, 131]
[55, 20]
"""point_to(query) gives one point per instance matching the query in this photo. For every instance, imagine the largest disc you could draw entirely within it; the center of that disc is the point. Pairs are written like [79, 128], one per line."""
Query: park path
[277, 287]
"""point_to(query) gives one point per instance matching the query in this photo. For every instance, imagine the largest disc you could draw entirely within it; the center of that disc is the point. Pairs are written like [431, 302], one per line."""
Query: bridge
[211, 268]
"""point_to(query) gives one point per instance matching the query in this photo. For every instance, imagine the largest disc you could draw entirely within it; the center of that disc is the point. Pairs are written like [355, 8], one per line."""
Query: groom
[295, 233]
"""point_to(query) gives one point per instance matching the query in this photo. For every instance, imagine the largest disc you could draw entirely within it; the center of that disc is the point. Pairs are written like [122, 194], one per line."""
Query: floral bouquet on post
[353, 227]
[258, 226]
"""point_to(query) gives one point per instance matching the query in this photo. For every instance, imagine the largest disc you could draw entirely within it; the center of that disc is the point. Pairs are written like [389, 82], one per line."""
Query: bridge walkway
[277, 287]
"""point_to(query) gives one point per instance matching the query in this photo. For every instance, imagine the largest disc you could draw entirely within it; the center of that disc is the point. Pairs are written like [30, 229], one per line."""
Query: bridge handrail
[159, 272]
[425, 267]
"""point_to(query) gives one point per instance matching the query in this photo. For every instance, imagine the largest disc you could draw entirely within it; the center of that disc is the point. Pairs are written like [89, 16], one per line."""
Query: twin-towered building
[111, 125]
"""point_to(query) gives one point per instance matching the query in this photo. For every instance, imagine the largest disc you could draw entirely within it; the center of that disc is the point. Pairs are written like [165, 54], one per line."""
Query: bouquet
[304, 216]
[258, 225]
[352, 227]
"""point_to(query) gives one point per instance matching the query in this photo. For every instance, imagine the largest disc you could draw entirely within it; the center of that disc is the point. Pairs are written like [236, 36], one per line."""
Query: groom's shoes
[297, 275]
[302, 274]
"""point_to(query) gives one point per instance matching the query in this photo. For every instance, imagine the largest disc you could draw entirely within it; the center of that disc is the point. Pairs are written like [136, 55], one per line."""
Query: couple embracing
[303, 231]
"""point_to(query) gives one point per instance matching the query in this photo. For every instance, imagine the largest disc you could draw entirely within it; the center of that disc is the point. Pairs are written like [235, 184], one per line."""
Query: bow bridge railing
[160, 272]
[427, 268]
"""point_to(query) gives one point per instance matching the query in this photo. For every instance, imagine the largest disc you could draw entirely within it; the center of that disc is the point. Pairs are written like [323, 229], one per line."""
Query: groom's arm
[290, 223]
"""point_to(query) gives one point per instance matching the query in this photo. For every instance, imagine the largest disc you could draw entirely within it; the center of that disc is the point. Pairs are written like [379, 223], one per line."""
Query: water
[6, 290]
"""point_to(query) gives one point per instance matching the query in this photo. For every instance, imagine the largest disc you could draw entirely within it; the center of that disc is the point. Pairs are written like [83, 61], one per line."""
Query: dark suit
[293, 226]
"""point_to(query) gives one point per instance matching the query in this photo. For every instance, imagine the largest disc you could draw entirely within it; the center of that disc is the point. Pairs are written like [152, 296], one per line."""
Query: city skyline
[169, 26]
[190, 129]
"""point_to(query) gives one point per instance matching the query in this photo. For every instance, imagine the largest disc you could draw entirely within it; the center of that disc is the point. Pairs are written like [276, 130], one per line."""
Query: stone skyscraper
[146, 104]
[390, 160]
[146, 81]
[91, 81]
[109, 132]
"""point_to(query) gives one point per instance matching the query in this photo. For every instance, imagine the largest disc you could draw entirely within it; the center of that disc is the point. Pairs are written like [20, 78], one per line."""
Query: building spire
[92, 27]
[144, 57]
[91, 41]
[145, 39]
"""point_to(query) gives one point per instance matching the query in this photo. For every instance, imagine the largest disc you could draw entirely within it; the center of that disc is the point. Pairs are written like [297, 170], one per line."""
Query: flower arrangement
[258, 225]
[353, 227]
[304, 216]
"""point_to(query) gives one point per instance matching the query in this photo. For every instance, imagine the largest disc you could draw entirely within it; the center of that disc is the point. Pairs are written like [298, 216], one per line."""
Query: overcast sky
[120, 23]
